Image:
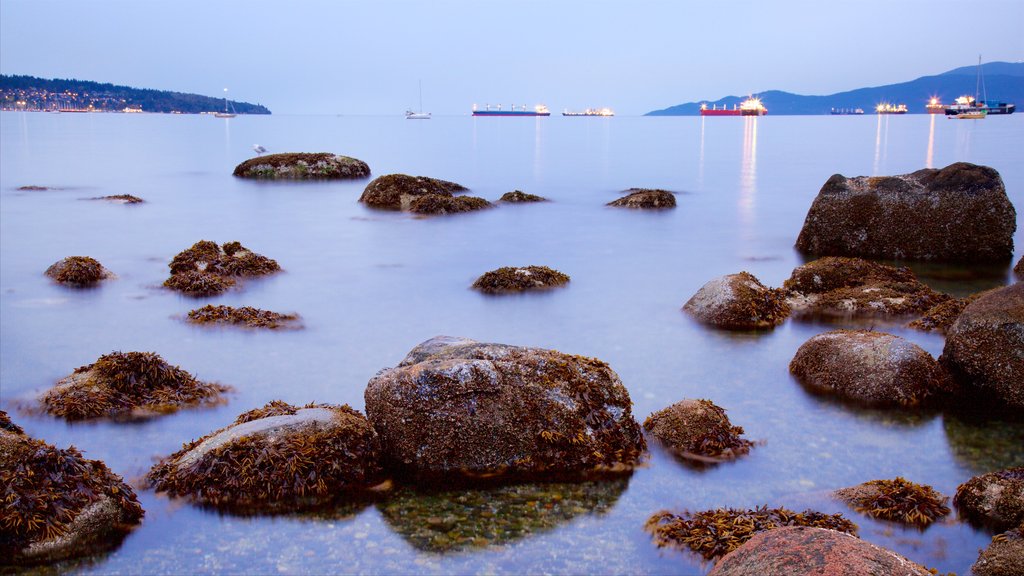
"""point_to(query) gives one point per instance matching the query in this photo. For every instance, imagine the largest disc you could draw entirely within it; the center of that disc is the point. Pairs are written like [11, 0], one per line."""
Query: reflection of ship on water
[845, 111]
[749, 107]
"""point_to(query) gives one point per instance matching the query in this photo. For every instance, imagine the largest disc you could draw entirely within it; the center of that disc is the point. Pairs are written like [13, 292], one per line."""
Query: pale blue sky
[298, 56]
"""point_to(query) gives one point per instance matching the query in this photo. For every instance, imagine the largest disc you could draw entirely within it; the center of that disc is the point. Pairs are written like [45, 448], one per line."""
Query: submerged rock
[898, 500]
[456, 407]
[995, 499]
[302, 166]
[941, 317]
[244, 316]
[985, 346]
[520, 196]
[738, 302]
[57, 504]
[34, 188]
[809, 550]
[1004, 556]
[645, 198]
[128, 385]
[959, 213]
[78, 271]
[518, 279]
[276, 458]
[206, 269]
[397, 191]
[698, 430]
[873, 368]
[121, 199]
[446, 204]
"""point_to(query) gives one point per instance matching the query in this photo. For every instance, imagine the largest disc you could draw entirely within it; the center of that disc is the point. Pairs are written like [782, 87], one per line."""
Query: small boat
[225, 113]
[749, 107]
[590, 112]
[538, 110]
[421, 115]
[979, 114]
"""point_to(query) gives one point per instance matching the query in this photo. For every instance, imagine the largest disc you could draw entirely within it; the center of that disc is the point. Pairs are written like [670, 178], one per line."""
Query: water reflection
[931, 143]
[537, 148]
[881, 144]
[748, 173]
[700, 160]
[982, 445]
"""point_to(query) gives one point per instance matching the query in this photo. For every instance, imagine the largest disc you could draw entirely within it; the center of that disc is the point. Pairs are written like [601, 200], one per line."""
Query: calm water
[371, 285]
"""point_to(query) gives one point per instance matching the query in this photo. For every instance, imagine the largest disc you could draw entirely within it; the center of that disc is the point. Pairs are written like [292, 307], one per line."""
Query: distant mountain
[1004, 82]
[31, 93]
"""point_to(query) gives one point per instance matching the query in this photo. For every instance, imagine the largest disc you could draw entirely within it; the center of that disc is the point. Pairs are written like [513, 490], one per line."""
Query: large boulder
[519, 279]
[958, 213]
[78, 271]
[738, 302]
[698, 430]
[872, 368]
[455, 406]
[995, 499]
[276, 458]
[805, 550]
[57, 504]
[1004, 556]
[645, 198]
[397, 191]
[985, 346]
[302, 166]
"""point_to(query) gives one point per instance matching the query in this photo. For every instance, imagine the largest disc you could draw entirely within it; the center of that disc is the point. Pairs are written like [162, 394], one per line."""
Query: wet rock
[78, 271]
[34, 188]
[807, 550]
[7, 425]
[1019, 268]
[698, 430]
[872, 368]
[959, 213]
[738, 302]
[645, 198]
[206, 269]
[519, 196]
[1004, 556]
[995, 500]
[446, 204]
[837, 286]
[456, 407]
[244, 316]
[126, 385]
[397, 191]
[940, 318]
[302, 166]
[276, 458]
[518, 279]
[57, 504]
[898, 500]
[985, 346]
[121, 199]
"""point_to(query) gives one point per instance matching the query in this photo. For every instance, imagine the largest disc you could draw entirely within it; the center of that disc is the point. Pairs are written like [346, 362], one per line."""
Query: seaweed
[77, 271]
[899, 500]
[198, 284]
[645, 198]
[520, 196]
[698, 430]
[6, 424]
[446, 204]
[517, 279]
[123, 198]
[245, 316]
[206, 269]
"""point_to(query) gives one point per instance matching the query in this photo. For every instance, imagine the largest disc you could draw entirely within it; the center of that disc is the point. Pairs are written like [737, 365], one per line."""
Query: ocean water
[370, 285]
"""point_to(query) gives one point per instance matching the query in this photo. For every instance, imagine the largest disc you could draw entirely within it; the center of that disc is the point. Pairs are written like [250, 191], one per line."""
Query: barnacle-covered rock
[302, 166]
[56, 504]
[699, 431]
[78, 271]
[645, 198]
[125, 385]
[738, 302]
[518, 279]
[206, 269]
[517, 196]
[985, 346]
[244, 316]
[276, 458]
[940, 318]
[809, 550]
[995, 499]
[397, 191]
[456, 407]
[899, 500]
[871, 368]
[438, 204]
[1004, 555]
[958, 213]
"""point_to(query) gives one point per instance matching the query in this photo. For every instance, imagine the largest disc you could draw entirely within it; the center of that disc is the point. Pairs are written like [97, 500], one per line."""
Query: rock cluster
[519, 279]
[738, 302]
[302, 166]
[419, 194]
[244, 316]
[645, 198]
[698, 430]
[206, 269]
[78, 271]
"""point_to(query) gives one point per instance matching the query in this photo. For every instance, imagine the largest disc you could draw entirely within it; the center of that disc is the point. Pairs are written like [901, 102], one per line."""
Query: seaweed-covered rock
[844, 286]
[457, 407]
[870, 367]
[645, 198]
[995, 499]
[517, 196]
[121, 199]
[1004, 555]
[206, 269]
[738, 302]
[959, 213]
[6, 424]
[446, 204]
[1019, 268]
[302, 166]
[128, 385]
[941, 317]
[244, 316]
[899, 500]
[698, 430]
[78, 271]
[397, 191]
[810, 550]
[715, 533]
[57, 504]
[276, 458]
[985, 346]
[518, 279]
[34, 188]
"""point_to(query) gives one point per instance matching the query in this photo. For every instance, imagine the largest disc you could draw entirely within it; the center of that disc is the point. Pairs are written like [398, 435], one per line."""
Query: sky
[371, 56]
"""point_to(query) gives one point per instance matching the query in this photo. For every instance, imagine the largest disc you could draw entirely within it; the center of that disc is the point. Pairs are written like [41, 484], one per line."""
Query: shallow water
[371, 285]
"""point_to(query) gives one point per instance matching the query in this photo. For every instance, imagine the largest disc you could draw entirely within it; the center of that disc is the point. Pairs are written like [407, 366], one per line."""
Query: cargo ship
[538, 110]
[590, 112]
[886, 108]
[844, 111]
[749, 107]
[935, 107]
[968, 105]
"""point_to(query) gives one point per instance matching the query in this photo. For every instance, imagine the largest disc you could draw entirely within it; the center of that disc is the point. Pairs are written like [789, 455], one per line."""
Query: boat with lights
[590, 112]
[497, 110]
[845, 111]
[749, 107]
[935, 107]
[972, 107]
[887, 108]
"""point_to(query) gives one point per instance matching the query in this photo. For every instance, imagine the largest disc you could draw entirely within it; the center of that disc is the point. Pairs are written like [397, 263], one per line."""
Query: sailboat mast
[977, 82]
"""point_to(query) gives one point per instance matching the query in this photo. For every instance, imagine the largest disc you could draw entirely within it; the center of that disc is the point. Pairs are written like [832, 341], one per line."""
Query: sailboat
[967, 107]
[225, 113]
[421, 115]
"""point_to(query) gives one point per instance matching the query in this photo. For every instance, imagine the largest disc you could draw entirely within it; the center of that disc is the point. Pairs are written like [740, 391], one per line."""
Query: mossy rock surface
[519, 279]
[940, 318]
[645, 198]
[7, 425]
[437, 204]
[397, 191]
[1004, 555]
[34, 188]
[277, 458]
[244, 316]
[128, 385]
[302, 166]
[206, 269]
[898, 500]
[121, 199]
[738, 302]
[78, 271]
[518, 196]
[456, 408]
[698, 431]
[995, 500]
[1019, 268]
[58, 504]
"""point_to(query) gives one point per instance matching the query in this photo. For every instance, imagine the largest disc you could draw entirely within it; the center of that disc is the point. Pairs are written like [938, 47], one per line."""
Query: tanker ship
[749, 107]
